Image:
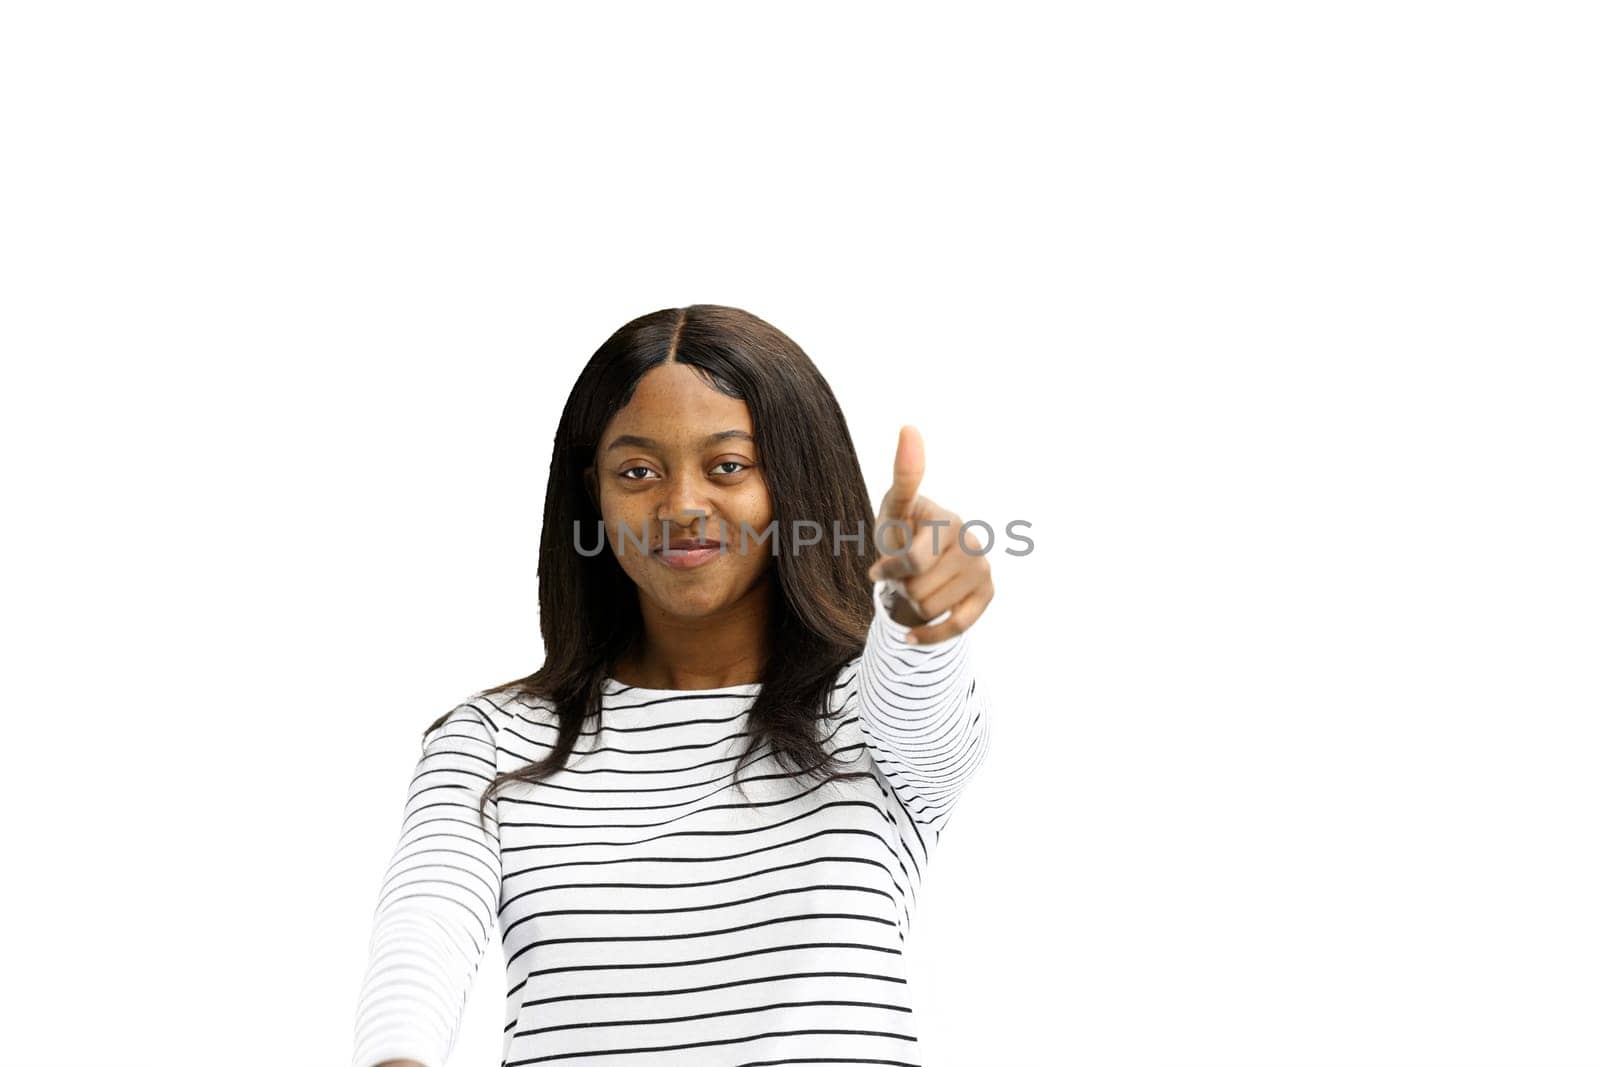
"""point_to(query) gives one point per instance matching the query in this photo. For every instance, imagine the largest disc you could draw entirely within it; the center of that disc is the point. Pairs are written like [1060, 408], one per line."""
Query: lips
[684, 544]
[685, 554]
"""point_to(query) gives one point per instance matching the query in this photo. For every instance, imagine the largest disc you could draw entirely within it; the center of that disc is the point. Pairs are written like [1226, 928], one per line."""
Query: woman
[701, 825]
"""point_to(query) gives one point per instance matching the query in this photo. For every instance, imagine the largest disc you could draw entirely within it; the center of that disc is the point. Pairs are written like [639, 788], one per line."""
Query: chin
[694, 605]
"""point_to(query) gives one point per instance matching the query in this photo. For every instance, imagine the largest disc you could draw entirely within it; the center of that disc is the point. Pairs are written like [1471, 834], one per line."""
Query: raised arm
[924, 714]
[437, 905]
[924, 711]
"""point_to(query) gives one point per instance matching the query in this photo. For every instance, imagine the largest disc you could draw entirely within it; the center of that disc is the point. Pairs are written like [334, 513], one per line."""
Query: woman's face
[661, 470]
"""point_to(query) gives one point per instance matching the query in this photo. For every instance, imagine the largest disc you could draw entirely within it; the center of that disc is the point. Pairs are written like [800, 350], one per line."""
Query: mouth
[681, 544]
[683, 553]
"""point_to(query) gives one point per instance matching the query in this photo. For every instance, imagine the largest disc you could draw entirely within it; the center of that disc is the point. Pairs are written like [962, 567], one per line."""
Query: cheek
[754, 505]
[756, 512]
[752, 512]
[617, 515]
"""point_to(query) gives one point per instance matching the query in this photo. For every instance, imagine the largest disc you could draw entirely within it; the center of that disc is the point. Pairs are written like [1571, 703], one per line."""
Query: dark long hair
[588, 606]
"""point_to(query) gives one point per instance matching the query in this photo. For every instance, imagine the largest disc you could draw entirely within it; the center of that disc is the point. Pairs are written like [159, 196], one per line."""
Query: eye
[733, 463]
[624, 474]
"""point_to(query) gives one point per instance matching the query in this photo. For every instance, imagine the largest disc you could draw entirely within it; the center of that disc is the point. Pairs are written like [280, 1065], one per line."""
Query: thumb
[908, 469]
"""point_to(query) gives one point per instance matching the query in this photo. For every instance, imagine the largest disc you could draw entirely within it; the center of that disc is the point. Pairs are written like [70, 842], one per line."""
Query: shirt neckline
[613, 687]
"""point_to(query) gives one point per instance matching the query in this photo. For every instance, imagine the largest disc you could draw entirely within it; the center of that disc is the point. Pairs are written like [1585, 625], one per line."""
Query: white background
[1277, 321]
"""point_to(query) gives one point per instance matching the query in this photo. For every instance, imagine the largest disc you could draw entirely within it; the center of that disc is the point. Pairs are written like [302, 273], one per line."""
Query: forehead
[673, 401]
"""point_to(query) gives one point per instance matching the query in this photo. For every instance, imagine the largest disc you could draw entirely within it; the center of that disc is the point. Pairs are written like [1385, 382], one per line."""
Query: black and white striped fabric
[650, 915]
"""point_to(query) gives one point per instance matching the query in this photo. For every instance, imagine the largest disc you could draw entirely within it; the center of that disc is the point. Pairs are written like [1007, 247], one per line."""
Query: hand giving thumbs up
[928, 570]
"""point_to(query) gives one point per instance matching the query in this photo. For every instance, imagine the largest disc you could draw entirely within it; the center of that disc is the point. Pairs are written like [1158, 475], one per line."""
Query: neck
[728, 647]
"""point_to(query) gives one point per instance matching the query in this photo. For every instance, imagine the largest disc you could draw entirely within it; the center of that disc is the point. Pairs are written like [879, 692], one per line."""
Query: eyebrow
[628, 440]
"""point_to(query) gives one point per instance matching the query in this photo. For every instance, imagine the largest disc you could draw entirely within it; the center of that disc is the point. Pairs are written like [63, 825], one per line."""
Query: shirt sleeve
[438, 901]
[924, 714]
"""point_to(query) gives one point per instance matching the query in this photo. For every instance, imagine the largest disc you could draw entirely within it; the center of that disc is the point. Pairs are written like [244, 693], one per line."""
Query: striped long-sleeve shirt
[650, 915]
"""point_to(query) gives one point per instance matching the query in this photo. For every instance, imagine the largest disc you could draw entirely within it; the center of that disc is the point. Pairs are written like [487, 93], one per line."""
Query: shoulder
[481, 716]
[507, 709]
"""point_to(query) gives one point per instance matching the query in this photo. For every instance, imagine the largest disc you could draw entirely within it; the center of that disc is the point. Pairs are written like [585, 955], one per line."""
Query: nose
[686, 506]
